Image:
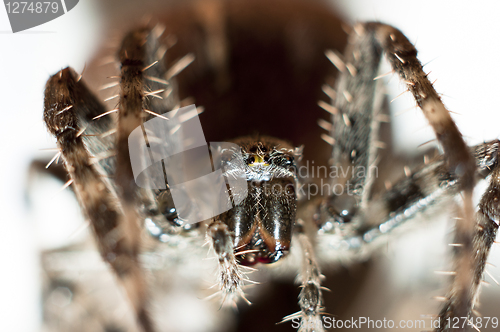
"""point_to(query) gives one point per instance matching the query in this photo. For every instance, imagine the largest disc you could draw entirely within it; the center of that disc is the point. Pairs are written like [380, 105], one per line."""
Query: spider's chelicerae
[262, 71]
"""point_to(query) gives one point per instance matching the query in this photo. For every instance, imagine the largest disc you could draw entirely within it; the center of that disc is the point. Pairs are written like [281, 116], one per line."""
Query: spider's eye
[342, 208]
[167, 208]
[226, 156]
[170, 213]
[258, 160]
[263, 149]
[289, 160]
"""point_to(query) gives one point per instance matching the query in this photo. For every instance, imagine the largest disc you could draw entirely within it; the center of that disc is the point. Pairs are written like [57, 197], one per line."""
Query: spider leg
[145, 92]
[133, 58]
[310, 297]
[117, 245]
[460, 162]
[367, 42]
[231, 276]
[421, 192]
[485, 231]
[402, 56]
[355, 117]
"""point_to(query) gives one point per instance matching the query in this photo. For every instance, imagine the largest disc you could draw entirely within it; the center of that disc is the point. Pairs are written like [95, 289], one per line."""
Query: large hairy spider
[262, 71]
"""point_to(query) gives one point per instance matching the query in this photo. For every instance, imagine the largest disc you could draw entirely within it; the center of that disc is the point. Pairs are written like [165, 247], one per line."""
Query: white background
[462, 40]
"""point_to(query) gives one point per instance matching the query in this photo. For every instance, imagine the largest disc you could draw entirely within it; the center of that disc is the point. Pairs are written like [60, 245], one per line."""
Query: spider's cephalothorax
[260, 66]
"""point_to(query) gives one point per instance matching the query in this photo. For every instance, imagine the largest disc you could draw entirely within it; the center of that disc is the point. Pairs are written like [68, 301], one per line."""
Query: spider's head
[263, 222]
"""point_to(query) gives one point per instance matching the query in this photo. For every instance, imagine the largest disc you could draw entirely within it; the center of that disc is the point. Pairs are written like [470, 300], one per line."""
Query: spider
[260, 74]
